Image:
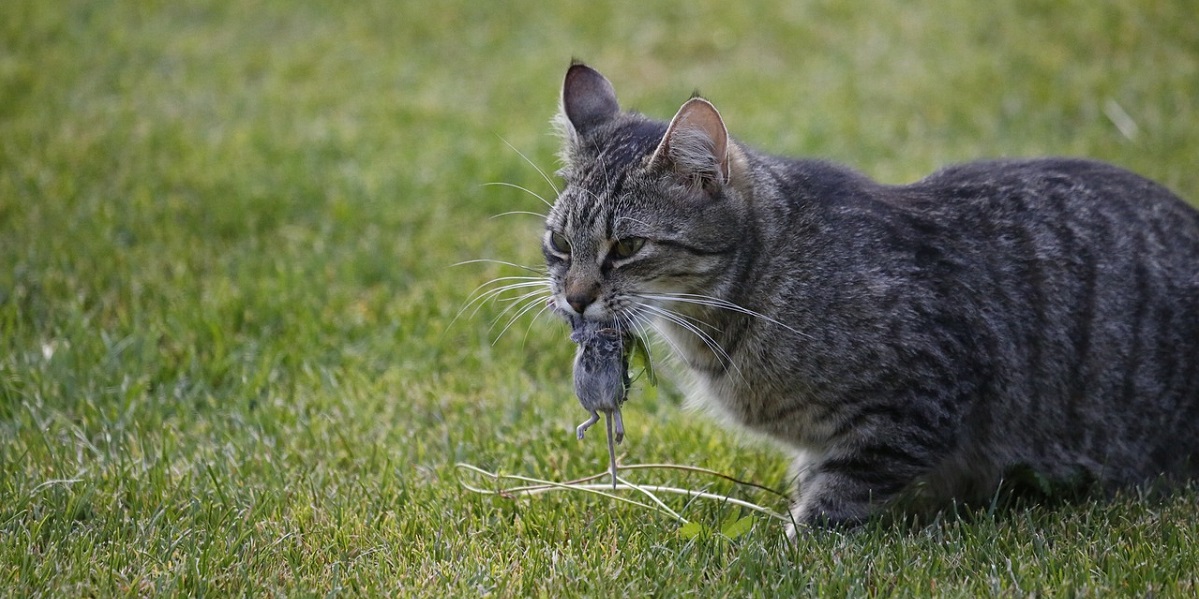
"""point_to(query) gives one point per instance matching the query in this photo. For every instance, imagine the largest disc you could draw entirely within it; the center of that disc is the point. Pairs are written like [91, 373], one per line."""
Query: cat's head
[650, 210]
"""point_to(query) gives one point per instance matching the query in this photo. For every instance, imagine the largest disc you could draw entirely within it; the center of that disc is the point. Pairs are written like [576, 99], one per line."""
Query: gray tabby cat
[913, 341]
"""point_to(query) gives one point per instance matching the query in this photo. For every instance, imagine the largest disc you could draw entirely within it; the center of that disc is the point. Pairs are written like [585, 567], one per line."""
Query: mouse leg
[619, 425]
[582, 428]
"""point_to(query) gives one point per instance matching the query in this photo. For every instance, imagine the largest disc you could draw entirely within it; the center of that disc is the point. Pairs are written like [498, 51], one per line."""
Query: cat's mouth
[604, 312]
[594, 312]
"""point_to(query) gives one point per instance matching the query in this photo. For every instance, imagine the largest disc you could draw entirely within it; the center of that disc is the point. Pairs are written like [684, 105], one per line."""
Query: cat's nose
[581, 296]
[580, 301]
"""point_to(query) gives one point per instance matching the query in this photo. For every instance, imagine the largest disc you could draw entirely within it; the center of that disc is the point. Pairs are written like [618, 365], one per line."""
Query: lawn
[230, 362]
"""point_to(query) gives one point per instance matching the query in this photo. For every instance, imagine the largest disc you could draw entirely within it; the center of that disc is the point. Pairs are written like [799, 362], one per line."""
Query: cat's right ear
[696, 144]
[588, 98]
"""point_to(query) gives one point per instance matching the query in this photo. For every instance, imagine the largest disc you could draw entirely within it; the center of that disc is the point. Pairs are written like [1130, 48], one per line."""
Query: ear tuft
[696, 144]
[588, 98]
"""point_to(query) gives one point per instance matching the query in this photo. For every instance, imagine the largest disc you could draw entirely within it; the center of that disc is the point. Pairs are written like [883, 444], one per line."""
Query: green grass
[227, 364]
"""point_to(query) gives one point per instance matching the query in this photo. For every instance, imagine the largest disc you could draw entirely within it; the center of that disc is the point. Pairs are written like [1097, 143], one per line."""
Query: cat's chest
[742, 383]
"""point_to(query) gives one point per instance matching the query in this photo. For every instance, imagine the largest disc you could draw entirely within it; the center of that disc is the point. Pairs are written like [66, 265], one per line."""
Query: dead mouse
[601, 378]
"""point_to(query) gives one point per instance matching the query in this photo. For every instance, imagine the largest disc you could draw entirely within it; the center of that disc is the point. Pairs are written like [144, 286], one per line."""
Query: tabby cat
[904, 341]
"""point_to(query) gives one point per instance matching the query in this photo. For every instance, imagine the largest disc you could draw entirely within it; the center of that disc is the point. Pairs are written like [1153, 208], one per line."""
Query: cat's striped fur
[919, 339]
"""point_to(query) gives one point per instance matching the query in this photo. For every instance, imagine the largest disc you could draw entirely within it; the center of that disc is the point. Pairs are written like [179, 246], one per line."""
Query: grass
[227, 364]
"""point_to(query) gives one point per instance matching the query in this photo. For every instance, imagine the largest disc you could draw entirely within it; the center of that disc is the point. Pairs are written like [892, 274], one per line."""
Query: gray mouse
[601, 378]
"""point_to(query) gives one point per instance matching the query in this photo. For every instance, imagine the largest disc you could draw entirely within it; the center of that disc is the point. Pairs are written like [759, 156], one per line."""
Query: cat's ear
[696, 144]
[588, 98]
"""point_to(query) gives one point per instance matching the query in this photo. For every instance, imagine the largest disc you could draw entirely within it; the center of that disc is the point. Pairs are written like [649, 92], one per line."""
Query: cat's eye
[625, 248]
[559, 243]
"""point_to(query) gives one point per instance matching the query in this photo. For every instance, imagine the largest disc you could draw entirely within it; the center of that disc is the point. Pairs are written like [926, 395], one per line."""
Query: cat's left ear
[588, 99]
[696, 144]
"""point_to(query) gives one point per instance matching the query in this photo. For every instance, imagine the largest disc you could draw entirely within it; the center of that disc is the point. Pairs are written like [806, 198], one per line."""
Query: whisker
[534, 165]
[674, 348]
[477, 299]
[524, 189]
[690, 320]
[523, 285]
[511, 314]
[637, 325]
[490, 293]
[593, 195]
[521, 298]
[532, 303]
[515, 212]
[603, 163]
[491, 261]
[683, 322]
[721, 354]
[516, 303]
[629, 218]
[526, 279]
[507, 300]
[630, 323]
[624, 322]
[715, 302]
[529, 328]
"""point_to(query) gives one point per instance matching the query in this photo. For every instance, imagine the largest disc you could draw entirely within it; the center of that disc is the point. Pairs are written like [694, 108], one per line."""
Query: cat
[912, 341]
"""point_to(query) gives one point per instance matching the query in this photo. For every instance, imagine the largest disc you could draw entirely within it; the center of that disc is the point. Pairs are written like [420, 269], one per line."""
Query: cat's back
[1062, 189]
[1061, 294]
[1083, 281]
[1036, 210]
[995, 216]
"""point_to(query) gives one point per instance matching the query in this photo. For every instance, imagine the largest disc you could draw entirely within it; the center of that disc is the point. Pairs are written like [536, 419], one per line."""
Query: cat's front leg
[830, 500]
[844, 488]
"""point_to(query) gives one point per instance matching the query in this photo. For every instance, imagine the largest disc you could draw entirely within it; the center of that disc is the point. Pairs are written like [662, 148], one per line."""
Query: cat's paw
[804, 521]
[821, 507]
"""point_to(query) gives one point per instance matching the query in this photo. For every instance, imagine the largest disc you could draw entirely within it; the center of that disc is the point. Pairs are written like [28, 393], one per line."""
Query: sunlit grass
[229, 359]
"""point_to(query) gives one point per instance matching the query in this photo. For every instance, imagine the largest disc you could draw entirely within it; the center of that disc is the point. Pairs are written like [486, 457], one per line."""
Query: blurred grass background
[227, 363]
